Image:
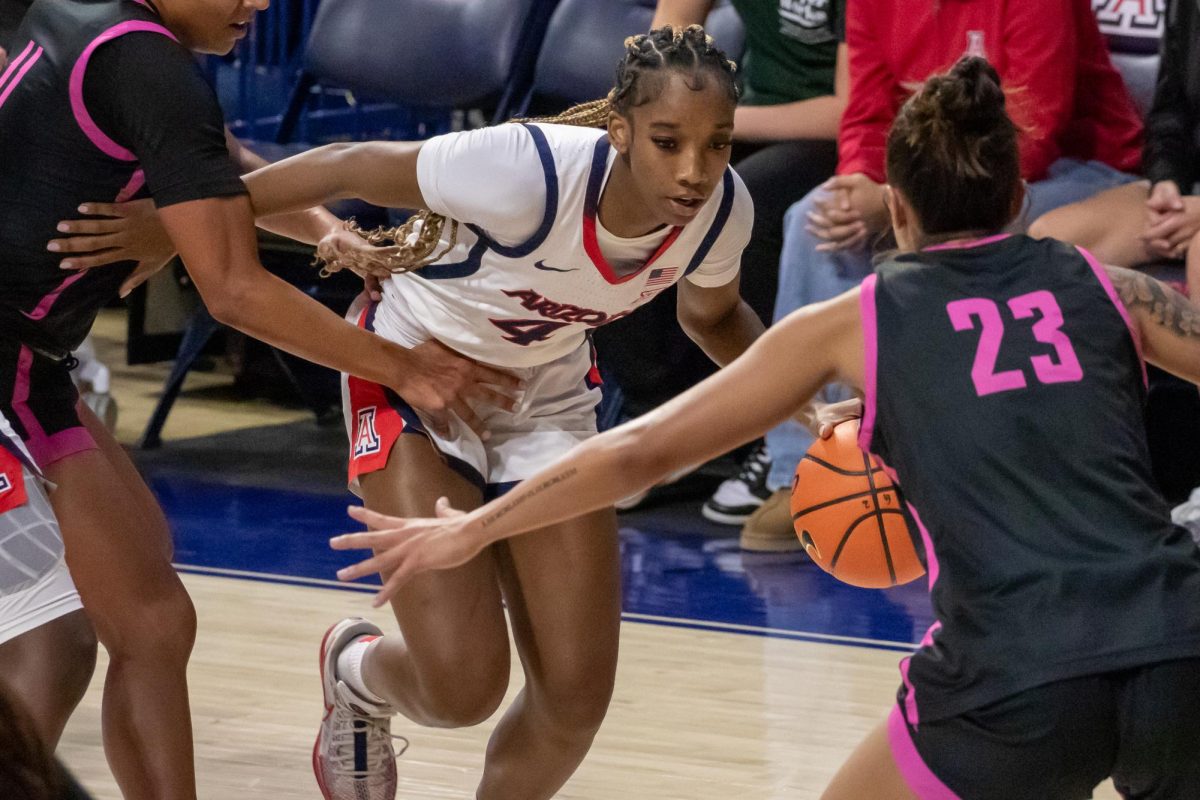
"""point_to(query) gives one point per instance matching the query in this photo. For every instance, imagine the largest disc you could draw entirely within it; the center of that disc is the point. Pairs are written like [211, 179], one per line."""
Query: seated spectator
[1082, 135]
[795, 81]
[1159, 218]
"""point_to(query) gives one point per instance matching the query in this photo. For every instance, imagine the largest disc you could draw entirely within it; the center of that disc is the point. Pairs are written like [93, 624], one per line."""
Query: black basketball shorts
[1141, 727]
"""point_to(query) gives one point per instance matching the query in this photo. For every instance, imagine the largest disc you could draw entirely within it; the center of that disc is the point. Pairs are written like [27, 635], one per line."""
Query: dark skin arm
[215, 238]
[717, 319]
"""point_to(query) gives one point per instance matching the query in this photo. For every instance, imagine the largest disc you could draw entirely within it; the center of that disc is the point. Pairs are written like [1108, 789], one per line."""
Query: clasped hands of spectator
[1172, 220]
[850, 209]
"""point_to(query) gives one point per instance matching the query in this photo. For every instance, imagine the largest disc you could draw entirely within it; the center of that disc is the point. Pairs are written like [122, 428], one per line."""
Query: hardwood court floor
[697, 715]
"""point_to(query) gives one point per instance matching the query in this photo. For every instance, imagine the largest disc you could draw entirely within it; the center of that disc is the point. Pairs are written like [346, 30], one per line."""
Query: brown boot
[769, 529]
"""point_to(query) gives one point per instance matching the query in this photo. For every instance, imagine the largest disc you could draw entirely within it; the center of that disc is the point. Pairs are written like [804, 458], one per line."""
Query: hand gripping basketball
[851, 517]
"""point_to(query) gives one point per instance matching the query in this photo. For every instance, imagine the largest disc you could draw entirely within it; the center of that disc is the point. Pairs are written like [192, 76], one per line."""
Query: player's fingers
[506, 381]
[395, 582]
[133, 281]
[90, 227]
[468, 416]
[486, 394]
[373, 519]
[90, 260]
[106, 209]
[367, 566]
[82, 244]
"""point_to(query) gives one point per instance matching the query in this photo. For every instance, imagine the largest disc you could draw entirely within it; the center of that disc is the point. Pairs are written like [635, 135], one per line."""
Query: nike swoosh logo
[542, 266]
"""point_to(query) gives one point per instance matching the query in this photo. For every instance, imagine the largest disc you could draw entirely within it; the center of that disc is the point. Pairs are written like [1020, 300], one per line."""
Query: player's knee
[162, 629]
[574, 705]
[75, 656]
[457, 704]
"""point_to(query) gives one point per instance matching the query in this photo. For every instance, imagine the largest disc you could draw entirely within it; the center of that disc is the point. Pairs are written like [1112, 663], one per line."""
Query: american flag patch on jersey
[661, 277]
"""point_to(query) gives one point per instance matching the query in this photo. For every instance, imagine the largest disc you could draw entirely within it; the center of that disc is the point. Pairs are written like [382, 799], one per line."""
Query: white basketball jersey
[530, 303]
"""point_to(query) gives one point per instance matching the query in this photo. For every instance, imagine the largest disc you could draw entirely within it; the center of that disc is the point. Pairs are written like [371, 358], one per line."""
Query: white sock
[349, 668]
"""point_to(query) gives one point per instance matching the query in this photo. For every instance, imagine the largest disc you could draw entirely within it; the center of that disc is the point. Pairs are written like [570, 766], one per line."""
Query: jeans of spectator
[807, 276]
[776, 174]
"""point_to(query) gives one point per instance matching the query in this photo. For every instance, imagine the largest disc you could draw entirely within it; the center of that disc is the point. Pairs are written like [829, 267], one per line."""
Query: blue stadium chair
[584, 43]
[434, 54]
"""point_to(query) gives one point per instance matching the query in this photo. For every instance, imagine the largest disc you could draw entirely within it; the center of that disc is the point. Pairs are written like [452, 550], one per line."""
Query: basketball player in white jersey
[532, 235]
[47, 647]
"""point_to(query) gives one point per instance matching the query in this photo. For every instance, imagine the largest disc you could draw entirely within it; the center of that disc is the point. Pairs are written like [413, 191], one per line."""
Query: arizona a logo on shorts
[366, 440]
[5, 484]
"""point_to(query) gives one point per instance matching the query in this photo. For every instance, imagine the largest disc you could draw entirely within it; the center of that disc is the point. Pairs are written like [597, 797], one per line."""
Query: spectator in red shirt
[1082, 135]
[1159, 218]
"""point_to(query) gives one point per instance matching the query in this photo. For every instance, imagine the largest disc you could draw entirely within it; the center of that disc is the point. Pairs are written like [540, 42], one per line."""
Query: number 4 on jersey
[527, 331]
[1048, 329]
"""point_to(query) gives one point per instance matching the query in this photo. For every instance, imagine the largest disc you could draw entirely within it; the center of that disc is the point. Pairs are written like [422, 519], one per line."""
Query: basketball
[850, 516]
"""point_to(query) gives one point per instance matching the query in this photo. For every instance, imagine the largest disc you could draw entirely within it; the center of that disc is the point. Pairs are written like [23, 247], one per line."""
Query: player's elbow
[228, 302]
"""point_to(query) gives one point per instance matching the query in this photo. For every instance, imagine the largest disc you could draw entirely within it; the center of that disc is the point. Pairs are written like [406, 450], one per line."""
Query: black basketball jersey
[1005, 390]
[82, 119]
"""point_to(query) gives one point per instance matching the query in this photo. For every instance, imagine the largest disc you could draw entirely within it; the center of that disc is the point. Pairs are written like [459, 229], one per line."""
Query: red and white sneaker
[353, 757]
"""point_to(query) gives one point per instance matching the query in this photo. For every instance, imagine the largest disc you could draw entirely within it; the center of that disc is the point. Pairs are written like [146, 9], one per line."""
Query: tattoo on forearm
[517, 501]
[1167, 307]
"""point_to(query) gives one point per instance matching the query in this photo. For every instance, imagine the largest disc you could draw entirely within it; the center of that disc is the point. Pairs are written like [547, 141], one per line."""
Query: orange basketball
[850, 516]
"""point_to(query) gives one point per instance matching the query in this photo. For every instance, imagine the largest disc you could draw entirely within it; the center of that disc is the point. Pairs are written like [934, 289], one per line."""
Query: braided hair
[640, 78]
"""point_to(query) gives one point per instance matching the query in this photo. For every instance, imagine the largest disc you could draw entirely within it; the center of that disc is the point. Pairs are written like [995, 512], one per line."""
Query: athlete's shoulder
[558, 134]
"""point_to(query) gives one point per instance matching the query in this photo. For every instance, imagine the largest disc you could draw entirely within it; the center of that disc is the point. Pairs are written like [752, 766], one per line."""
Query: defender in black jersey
[102, 100]
[1003, 380]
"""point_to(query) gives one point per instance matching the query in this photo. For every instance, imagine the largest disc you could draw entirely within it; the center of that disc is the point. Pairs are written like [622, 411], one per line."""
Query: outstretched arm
[775, 377]
[381, 173]
[1166, 321]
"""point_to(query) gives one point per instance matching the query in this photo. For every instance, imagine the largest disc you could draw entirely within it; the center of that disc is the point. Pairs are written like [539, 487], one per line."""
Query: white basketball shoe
[353, 757]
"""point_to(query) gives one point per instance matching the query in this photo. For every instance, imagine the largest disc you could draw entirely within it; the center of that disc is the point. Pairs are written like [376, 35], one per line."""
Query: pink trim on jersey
[866, 304]
[592, 247]
[931, 562]
[136, 181]
[16, 62]
[1106, 282]
[916, 773]
[28, 65]
[963, 244]
[62, 444]
[47, 302]
[75, 85]
[44, 449]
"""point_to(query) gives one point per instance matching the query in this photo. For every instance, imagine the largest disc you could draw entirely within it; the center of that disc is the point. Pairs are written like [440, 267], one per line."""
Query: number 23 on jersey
[982, 313]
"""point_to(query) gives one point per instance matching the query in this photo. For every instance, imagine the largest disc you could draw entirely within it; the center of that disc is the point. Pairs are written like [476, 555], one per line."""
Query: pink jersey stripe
[28, 65]
[866, 302]
[916, 773]
[136, 181]
[931, 562]
[75, 86]
[56, 447]
[1106, 282]
[47, 302]
[963, 244]
[15, 63]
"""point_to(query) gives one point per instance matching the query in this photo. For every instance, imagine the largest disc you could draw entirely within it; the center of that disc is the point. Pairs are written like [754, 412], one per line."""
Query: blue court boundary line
[646, 619]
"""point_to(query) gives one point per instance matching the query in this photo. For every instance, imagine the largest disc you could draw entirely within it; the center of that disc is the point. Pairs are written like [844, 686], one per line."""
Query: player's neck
[621, 210]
